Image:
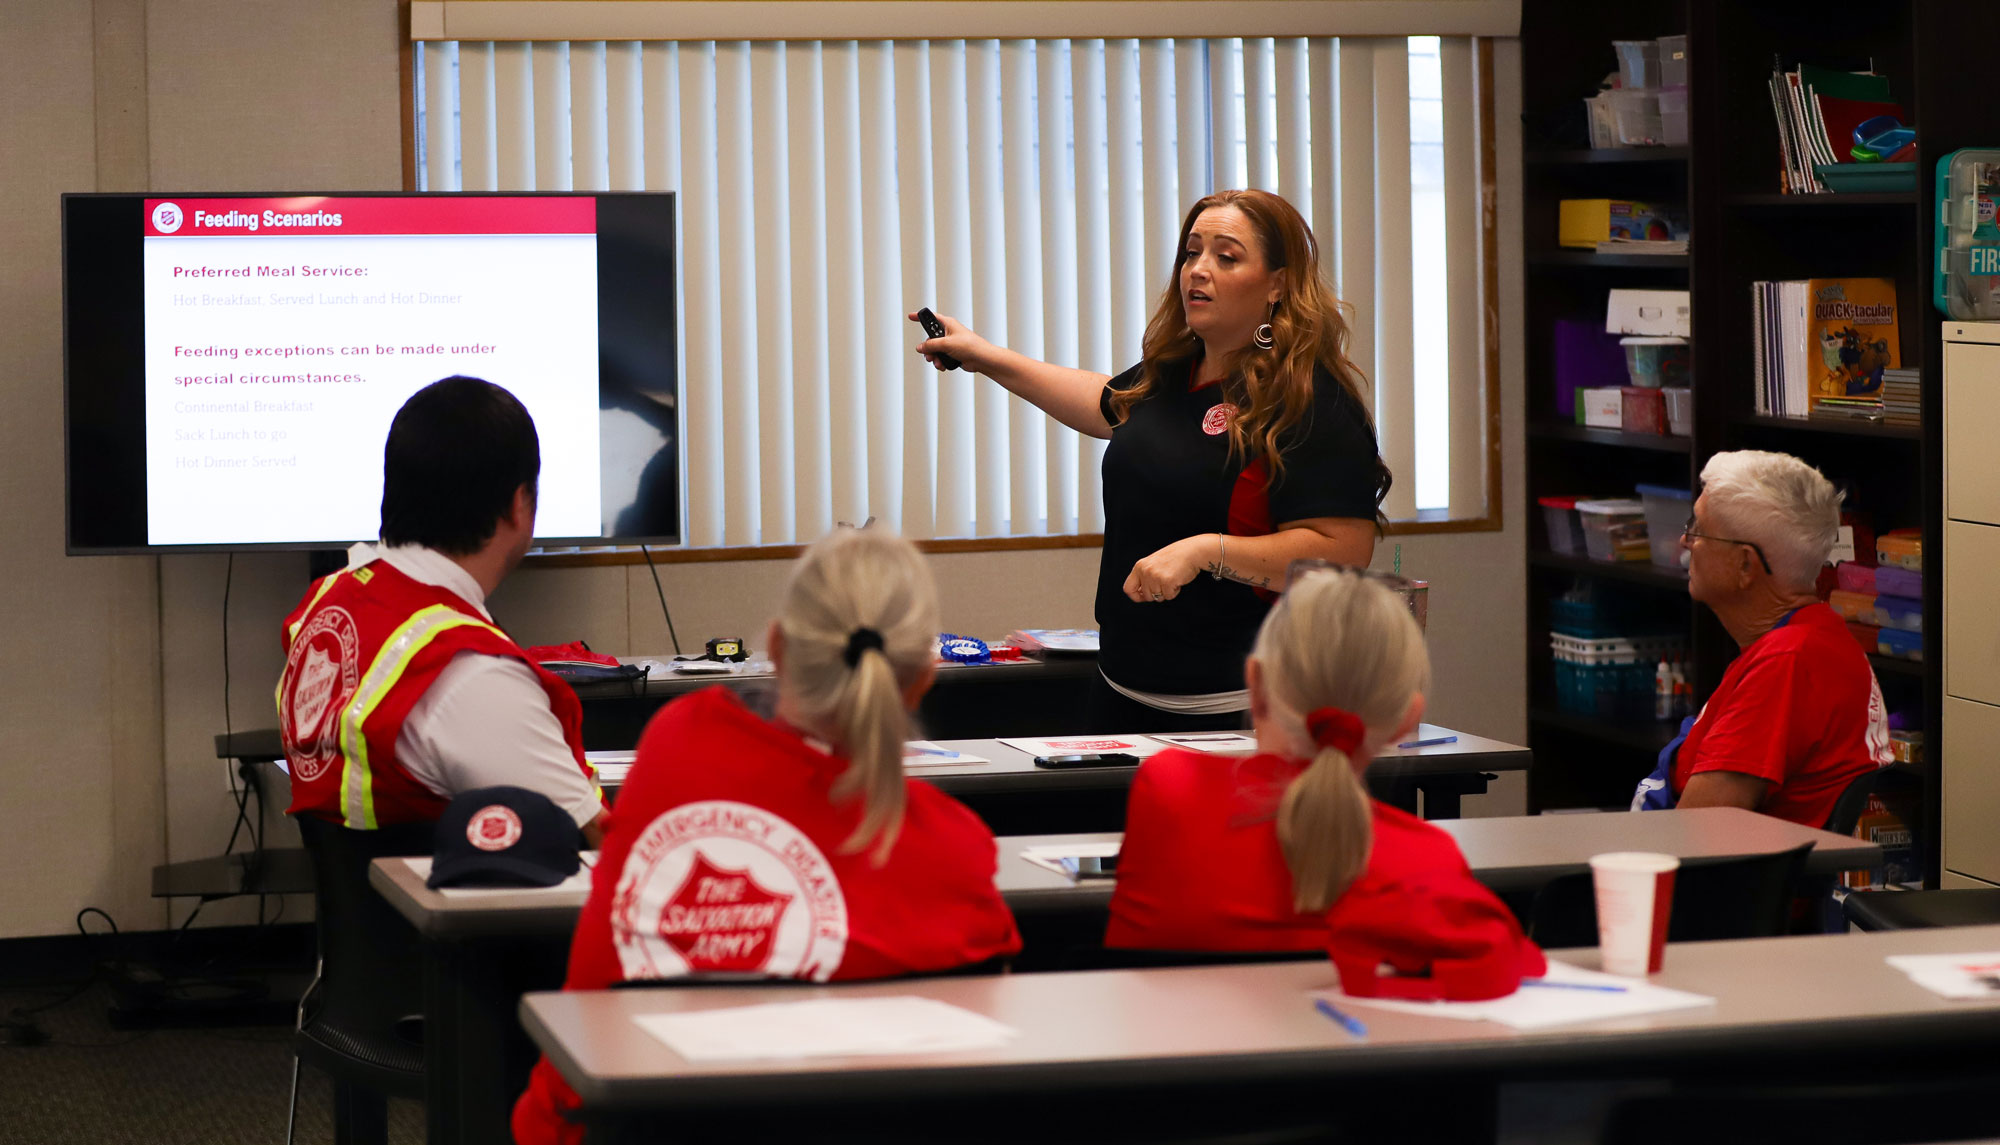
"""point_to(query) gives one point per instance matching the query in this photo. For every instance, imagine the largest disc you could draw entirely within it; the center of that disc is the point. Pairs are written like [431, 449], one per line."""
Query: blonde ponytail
[1335, 641]
[1326, 828]
[860, 626]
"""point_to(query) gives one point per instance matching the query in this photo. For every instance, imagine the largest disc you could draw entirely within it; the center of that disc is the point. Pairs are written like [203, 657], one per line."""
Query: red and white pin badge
[1216, 422]
[494, 828]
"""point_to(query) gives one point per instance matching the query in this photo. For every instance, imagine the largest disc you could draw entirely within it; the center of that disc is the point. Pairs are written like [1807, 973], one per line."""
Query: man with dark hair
[398, 690]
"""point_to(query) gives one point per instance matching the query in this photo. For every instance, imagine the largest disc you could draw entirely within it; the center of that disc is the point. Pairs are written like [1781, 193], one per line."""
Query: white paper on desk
[1218, 743]
[1953, 975]
[1539, 1007]
[825, 1027]
[1141, 746]
[924, 753]
[578, 883]
[1051, 855]
[611, 766]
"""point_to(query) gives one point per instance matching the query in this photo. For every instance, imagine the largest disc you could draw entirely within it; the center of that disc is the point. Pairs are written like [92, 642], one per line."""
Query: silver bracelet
[1221, 554]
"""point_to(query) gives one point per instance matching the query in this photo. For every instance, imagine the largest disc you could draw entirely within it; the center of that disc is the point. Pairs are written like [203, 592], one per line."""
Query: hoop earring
[1264, 337]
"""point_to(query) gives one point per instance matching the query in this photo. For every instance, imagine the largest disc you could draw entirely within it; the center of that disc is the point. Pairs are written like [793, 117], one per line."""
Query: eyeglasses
[1688, 534]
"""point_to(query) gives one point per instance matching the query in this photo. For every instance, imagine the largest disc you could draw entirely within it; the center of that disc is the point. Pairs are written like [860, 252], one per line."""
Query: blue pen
[1429, 742]
[1346, 1021]
[935, 751]
[1573, 986]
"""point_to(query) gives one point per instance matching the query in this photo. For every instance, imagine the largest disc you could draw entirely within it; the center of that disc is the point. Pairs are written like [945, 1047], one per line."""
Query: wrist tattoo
[1224, 572]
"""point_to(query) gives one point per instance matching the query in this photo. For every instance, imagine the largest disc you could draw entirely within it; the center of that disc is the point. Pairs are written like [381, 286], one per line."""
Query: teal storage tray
[1858, 177]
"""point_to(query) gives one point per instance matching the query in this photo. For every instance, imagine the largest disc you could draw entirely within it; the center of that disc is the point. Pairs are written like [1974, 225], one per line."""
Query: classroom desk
[1193, 1039]
[1518, 853]
[1050, 696]
[1015, 797]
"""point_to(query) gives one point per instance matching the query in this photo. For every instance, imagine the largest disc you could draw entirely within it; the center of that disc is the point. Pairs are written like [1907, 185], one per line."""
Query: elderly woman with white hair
[1798, 715]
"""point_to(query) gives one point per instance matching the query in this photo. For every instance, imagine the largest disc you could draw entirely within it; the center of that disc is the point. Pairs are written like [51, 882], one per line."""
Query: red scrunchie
[1334, 728]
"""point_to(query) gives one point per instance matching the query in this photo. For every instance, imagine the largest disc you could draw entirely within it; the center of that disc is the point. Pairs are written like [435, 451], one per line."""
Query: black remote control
[935, 329]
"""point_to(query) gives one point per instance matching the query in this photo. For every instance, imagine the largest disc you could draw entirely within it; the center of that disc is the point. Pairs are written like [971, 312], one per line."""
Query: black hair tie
[861, 641]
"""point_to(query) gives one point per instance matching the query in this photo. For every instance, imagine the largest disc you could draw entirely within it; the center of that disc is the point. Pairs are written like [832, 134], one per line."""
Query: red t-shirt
[1799, 707]
[724, 852]
[1201, 869]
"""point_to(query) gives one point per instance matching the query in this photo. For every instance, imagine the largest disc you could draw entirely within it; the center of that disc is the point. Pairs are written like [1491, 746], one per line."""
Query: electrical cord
[663, 599]
[19, 1028]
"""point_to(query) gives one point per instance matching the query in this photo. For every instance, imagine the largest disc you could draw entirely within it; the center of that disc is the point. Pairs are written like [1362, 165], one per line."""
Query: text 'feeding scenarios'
[283, 334]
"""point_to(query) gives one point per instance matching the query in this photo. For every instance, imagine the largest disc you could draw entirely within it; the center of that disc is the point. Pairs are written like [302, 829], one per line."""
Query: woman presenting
[1238, 444]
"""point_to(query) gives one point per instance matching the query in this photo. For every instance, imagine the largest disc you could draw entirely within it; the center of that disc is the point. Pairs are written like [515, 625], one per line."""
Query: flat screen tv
[232, 361]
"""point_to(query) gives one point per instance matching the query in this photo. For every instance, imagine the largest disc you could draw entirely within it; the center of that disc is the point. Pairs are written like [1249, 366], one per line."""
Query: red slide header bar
[339, 215]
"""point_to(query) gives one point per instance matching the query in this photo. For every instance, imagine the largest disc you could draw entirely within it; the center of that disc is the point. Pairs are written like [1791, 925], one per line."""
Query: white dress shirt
[485, 721]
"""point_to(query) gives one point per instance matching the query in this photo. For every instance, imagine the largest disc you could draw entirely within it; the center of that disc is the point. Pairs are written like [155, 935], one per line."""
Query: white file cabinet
[1969, 740]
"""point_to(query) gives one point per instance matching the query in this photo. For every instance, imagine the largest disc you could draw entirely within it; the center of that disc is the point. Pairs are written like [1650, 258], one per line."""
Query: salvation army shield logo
[1216, 422]
[724, 886]
[493, 828]
[167, 218]
[320, 676]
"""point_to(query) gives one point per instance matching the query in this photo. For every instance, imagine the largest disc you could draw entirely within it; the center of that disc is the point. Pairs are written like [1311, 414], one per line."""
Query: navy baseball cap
[504, 837]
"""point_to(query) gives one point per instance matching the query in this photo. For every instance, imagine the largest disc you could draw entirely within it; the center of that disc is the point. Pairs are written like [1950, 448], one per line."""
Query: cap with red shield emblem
[505, 836]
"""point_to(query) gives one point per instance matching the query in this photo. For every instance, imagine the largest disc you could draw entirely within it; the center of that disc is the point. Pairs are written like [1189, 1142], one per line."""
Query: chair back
[370, 986]
[1847, 809]
[1749, 897]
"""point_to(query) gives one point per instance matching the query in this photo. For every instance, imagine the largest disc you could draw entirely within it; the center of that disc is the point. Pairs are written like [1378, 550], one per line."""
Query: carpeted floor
[93, 1085]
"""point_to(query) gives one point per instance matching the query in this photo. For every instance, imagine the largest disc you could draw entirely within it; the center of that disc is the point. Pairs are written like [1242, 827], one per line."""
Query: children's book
[1852, 335]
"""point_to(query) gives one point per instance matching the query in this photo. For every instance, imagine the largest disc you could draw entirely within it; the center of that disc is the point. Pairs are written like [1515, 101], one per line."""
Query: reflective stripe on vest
[357, 784]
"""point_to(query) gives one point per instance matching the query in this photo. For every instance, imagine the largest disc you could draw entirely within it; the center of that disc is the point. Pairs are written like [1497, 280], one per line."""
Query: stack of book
[1900, 403]
[1817, 110]
[1823, 341]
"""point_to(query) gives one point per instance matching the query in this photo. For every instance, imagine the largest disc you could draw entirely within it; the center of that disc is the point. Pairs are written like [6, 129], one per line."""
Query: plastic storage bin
[1680, 410]
[1614, 530]
[1609, 676]
[1635, 116]
[1674, 116]
[1855, 607]
[1900, 612]
[1853, 576]
[1638, 62]
[1902, 548]
[1565, 530]
[1603, 128]
[1656, 362]
[1673, 53]
[1642, 410]
[1891, 580]
[1900, 644]
[1667, 512]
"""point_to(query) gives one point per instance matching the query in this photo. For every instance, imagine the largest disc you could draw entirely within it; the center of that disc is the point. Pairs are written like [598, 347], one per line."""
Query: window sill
[1426, 523]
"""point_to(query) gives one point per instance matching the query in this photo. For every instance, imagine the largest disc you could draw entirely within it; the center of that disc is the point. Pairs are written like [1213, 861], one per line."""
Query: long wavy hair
[1271, 389]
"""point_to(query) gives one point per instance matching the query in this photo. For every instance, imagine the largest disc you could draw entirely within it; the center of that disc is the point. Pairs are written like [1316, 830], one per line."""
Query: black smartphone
[935, 329]
[1088, 759]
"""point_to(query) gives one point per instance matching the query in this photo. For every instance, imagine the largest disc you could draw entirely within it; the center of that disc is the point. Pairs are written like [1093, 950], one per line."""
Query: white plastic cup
[1635, 896]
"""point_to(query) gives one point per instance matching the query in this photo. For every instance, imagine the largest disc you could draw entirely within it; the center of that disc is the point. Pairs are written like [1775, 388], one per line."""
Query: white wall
[115, 686]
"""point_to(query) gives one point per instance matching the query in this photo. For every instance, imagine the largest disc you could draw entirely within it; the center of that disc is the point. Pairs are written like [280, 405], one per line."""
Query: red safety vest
[360, 650]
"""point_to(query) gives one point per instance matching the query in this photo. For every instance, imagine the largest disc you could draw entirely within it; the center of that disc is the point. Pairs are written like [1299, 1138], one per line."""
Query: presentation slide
[283, 334]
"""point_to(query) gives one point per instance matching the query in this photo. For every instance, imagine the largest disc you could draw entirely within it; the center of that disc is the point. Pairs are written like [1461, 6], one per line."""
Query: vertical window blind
[1033, 189]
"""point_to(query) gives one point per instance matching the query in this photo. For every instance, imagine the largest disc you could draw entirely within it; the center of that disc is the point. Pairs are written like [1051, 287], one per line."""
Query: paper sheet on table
[1141, 746]
[825, 1027]
[924, 753]
[1218, 743]
[1953, 975]
[578, 883]
[1538, 1007]
[1051, 855]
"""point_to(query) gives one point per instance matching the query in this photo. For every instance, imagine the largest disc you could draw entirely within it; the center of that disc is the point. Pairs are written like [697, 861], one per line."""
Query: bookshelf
[1743, 230]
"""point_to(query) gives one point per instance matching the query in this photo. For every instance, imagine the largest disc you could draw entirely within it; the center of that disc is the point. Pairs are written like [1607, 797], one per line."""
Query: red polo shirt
[1202, 869]
[1800, 708]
